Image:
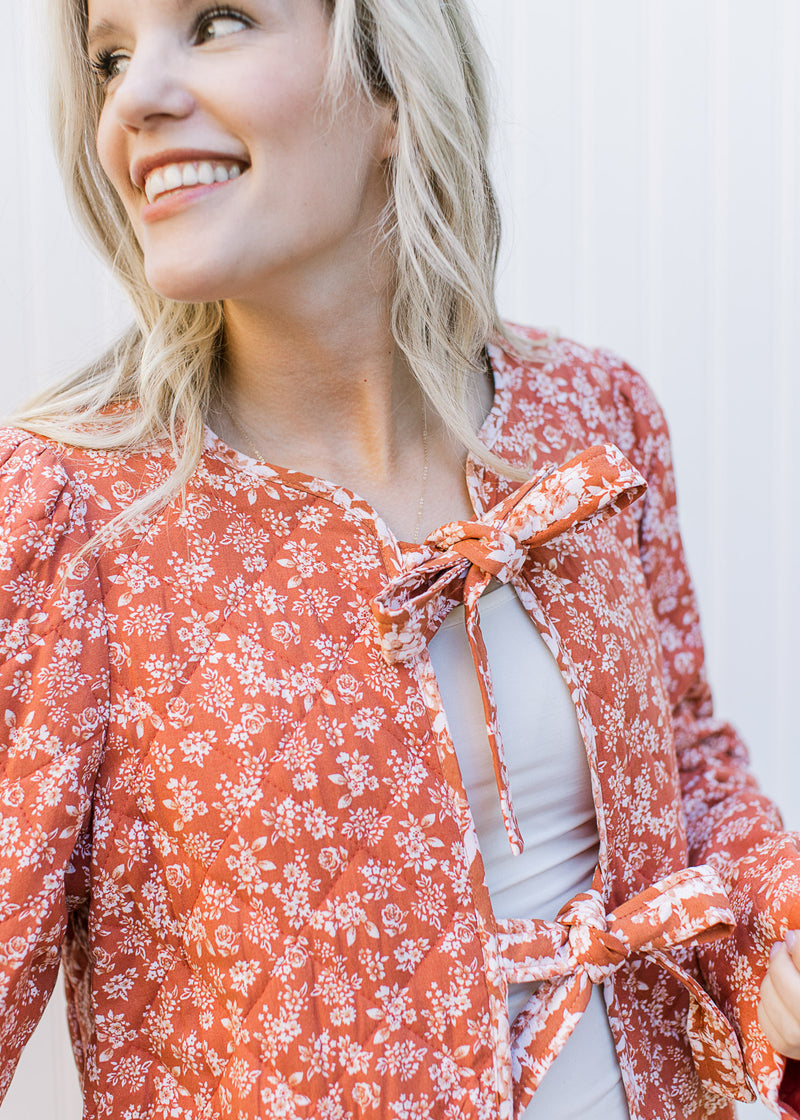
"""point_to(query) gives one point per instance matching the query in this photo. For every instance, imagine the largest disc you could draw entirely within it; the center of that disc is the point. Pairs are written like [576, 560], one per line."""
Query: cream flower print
[244, 833]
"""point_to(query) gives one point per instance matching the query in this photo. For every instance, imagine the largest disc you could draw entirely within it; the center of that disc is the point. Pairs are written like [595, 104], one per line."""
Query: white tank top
[551, 790]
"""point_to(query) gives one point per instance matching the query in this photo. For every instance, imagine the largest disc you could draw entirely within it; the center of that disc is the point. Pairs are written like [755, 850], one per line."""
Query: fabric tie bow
[464, 556]
[584, 945]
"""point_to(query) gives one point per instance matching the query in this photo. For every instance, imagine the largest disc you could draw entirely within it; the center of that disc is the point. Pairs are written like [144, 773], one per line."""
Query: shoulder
[34, 480]
[585, 376]
[39, 472]
[43, 512]
[67, 490]
[582, 393]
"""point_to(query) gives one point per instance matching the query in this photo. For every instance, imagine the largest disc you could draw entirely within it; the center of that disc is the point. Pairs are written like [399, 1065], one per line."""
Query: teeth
[154, 185]
[176, 175]
[173, 177]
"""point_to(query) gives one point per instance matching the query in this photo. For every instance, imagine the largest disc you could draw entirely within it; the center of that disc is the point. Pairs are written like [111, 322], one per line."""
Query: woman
[284, 884]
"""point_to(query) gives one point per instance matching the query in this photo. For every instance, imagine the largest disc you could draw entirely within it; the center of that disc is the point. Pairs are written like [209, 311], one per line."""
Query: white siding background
[648, 156]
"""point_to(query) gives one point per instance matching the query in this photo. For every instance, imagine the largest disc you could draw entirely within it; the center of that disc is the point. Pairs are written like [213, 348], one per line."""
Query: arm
[730, 823]
[53, 712]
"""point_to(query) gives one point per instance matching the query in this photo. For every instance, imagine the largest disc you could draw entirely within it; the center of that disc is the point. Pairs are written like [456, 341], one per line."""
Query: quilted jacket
[232, 812]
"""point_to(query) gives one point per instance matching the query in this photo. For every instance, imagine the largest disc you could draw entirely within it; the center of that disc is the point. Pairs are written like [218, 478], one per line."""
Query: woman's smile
[172, 185]
[170, 200]
[177, 176]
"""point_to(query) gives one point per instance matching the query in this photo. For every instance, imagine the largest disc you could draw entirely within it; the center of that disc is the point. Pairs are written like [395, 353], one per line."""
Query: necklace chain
[257, 454]
[240, 429]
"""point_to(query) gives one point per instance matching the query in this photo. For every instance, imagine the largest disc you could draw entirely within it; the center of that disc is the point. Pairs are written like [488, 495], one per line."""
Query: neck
[327, 393]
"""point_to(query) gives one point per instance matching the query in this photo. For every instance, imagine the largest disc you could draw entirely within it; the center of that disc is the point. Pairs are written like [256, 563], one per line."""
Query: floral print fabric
[585, 946]
[471, 553]
[244, 833]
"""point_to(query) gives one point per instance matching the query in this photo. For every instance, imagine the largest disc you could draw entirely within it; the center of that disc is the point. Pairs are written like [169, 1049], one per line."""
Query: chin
[183, 285]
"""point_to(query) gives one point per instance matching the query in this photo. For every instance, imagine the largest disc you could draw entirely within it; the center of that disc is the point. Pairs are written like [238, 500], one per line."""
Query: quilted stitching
[277, 905]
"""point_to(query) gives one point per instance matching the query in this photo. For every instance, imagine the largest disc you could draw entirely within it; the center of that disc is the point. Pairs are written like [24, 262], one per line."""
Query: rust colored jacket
[232, 810]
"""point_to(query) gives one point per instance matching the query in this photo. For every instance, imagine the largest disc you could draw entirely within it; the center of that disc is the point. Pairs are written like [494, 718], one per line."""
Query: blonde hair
[442, 227]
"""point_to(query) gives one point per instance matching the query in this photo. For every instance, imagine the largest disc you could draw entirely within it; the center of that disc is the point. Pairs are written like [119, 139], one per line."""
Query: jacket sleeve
[54, 693]
[730, 823]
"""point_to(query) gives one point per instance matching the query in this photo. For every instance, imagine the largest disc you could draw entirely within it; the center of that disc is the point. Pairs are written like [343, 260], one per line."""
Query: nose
[151, 88]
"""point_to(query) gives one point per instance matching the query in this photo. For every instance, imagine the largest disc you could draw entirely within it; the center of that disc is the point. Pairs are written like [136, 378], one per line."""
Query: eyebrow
[106, 27]
[100, 30]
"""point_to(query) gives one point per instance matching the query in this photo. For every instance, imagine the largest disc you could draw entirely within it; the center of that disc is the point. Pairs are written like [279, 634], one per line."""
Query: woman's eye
[109, 65]
[218, 25]
[213, 25]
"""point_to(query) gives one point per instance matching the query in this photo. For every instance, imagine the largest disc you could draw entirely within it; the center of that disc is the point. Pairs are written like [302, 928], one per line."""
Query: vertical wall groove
[787, 267]
[652, 242]
[717, 266]
[586, 301]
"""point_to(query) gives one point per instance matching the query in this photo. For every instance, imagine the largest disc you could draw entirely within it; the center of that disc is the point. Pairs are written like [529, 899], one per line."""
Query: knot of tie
[460, 560]
[585, 945]
[490, 549]
[590, 944]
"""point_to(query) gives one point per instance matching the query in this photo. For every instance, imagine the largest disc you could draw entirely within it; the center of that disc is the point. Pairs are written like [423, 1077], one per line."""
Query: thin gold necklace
[245, 436]
[257, 455]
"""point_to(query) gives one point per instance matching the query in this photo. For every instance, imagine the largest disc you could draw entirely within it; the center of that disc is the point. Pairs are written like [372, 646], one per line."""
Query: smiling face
[239, 182]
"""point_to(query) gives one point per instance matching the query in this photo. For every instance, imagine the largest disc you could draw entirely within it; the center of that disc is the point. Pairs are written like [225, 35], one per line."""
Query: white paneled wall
[648, 157]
